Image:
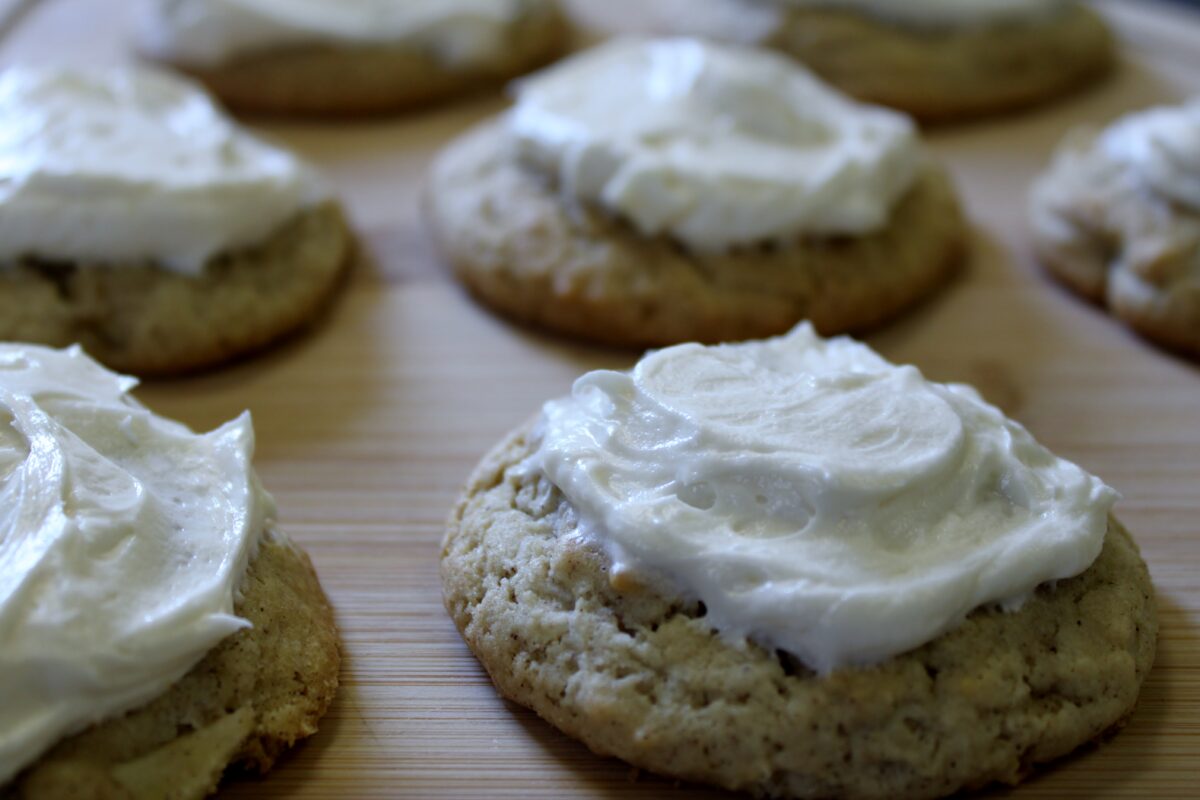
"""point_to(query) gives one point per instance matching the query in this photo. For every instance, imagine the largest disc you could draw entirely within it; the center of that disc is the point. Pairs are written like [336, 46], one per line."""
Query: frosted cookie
[137, 220]
[935, 59]
[652, 192]
[1117, 218]
[157, 626]
[791, 568]
[340, 57]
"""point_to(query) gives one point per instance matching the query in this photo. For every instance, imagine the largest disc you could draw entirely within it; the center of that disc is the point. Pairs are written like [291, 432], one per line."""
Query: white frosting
[1162, 148]
[940, 13]
[815, 497]
[714, 145]
[123, 538]
[131, 166]
[210, 32]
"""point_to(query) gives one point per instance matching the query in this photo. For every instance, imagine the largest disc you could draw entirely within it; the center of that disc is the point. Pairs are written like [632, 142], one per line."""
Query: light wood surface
[367, 427]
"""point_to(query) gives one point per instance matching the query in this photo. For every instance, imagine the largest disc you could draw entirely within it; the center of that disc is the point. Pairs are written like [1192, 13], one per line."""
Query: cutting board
[368, 425]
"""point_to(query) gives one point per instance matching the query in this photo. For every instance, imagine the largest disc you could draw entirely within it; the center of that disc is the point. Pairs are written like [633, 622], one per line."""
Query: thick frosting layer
[131, 167]
[714, 145]
[211, 32]
[123, 539]
[940, 13]
[1162, 148]
[815, 497]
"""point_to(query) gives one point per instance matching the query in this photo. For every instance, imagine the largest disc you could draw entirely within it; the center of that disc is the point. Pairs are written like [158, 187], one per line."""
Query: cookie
[254, 695]
[346, 80]
[151, 321]
[638, 674]
[521, 250]
[937, 75]
[1101, 233]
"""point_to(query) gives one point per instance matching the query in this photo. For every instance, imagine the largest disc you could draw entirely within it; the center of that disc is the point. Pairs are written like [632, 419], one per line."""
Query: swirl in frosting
[123, 540]
[815, 497]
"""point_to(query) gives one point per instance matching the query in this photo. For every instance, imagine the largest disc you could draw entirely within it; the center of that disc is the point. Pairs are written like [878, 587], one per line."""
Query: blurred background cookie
[649, 192]
[340, 57]
[1117, 218]
[936, 60]
[140, 222]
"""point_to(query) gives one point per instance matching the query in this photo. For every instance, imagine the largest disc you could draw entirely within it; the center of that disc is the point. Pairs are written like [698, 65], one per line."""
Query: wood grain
[367, 426]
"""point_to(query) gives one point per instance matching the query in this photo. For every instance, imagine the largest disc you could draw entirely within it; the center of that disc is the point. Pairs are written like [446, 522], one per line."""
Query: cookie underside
[373, 79]
[150, 321]
[254, 695]
[521, 249]
[641, 676]
[950, 76]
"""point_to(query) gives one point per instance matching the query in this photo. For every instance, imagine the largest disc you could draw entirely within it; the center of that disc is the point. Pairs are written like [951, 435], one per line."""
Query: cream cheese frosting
[127, 166]
[815, 497]
[715, 146]
[1161, 147]
[123, 540]
[212, 32]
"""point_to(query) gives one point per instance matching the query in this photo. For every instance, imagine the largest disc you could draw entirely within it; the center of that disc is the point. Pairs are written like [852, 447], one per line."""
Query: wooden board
[367, 427]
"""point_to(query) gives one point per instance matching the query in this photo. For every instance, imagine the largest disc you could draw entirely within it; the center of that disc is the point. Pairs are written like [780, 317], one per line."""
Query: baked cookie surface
[254, 695]
[351, 80]
[1112, 241]
[150, 321]
[936, 74]
[640, 675]
[946, 75]
[521, 249]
